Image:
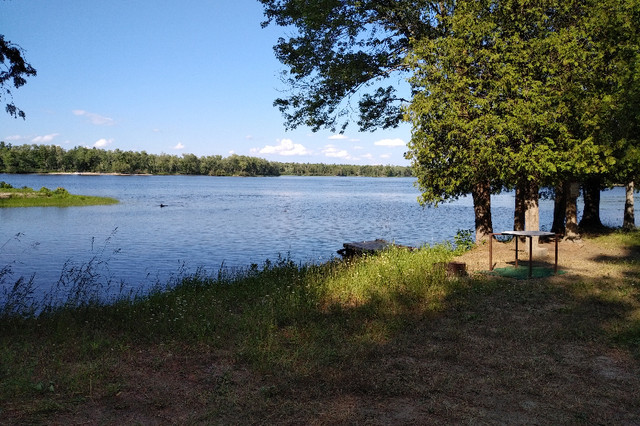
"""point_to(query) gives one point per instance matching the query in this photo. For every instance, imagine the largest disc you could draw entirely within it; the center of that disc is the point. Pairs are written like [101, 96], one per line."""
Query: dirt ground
[579, 258]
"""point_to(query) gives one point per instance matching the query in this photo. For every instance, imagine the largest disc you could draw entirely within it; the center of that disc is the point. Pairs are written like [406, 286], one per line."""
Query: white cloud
[385, 156]
[45, 138]
[249, 137]
[97, 119]
[337, 137]
[232, 152]
[285, 147]
[101, 143]
[179, 146]
[341, 137]
[390, 142]
[335, 152]
[14, 138]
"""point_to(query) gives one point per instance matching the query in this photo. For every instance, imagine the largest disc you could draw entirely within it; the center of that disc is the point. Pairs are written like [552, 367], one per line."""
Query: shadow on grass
[629, 258]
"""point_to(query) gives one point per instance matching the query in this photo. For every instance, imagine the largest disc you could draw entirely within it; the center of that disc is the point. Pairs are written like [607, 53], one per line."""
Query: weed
[83, 284]
[463, 240]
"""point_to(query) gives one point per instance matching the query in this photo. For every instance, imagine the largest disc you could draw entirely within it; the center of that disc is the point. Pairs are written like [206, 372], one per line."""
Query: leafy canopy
[504, 93]
[343, 48]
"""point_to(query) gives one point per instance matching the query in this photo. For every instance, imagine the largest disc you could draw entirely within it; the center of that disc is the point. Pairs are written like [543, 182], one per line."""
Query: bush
[463, 240]
[61, 192]
[5, 185]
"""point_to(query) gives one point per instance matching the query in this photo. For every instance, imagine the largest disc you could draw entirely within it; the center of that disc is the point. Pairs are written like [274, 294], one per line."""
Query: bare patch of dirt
[582, 258]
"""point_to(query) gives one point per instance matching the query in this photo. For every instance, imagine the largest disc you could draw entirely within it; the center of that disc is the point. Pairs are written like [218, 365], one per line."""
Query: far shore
[93, 174]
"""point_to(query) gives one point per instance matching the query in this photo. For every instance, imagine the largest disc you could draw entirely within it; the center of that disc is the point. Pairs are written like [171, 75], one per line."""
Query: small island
[60, 197]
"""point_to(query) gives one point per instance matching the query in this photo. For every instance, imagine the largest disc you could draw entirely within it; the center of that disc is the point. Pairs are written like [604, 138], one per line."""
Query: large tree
[494, 103]
[13, 73]
[343, 49]
[618, 77]
[501, 91]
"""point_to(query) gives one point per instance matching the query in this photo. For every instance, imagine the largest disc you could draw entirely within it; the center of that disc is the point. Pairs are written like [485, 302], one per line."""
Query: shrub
[61, 192]
[46, 191]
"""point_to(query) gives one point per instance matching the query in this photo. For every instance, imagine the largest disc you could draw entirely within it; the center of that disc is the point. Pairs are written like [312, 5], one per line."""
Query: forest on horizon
[55, 159]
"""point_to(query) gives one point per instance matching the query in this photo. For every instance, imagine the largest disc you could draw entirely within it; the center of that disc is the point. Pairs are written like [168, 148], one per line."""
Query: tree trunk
[559, 210]
[628, 221]
[591, 214]
[481, 193]
[572, 190]
[518, 211]
[532, 211]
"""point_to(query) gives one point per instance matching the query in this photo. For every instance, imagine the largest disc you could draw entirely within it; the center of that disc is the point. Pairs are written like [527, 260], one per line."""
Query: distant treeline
[54, 159]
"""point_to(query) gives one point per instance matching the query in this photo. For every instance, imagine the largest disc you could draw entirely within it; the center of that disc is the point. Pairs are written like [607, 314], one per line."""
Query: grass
[60, 197]
[380, 339]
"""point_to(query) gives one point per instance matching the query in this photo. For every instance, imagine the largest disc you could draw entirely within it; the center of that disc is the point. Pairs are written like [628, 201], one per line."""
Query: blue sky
[189, 76]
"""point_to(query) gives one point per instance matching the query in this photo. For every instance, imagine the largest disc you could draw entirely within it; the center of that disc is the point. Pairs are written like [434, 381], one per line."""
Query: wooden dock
[366, 247]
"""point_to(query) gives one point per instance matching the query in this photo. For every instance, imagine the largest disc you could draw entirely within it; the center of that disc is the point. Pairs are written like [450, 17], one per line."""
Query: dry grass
[563, 350]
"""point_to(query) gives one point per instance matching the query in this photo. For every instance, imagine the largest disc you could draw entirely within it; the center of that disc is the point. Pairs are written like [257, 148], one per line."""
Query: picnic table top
[528, 233]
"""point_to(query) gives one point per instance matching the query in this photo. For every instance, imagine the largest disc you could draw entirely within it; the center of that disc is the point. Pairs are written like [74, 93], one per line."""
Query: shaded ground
[501, 352]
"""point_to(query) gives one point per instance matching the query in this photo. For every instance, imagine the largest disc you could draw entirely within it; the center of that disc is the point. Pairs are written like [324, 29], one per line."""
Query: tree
[620, 78]
[13, 72]
[342, 48]
[345, 46]
[453, 148]
[507, 96]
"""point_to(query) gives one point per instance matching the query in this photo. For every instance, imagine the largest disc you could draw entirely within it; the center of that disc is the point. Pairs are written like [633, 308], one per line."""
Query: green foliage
[61, 192]
[5, 185]
[500, 98]
[339, 49]
[463, 240]
[514, 94]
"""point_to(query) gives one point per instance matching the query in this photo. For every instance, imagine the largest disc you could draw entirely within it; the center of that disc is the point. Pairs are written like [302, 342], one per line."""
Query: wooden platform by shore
[360, 248]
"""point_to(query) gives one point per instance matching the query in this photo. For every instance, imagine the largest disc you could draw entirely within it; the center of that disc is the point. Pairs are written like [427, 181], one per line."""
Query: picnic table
[527, 234]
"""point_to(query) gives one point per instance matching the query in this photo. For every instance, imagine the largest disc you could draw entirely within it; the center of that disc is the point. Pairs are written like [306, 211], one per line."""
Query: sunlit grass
[279, 315]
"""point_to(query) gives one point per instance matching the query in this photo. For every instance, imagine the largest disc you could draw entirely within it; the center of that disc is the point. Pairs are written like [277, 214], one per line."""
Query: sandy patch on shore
[584, 258]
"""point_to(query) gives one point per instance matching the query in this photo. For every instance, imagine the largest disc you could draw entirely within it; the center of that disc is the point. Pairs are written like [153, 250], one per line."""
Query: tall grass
[279, 315]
